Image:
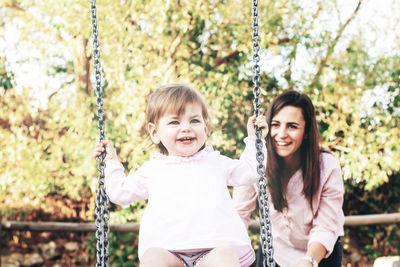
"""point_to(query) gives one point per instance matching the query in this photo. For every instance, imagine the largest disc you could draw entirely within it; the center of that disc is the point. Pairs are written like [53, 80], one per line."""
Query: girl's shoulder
[146, 168]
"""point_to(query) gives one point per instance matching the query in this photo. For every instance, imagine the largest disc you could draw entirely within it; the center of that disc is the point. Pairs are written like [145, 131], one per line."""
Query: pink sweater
[189, 204]
[294, 229]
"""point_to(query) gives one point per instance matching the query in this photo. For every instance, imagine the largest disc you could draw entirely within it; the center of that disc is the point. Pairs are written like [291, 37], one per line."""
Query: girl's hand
[102, 146]
[260, 122]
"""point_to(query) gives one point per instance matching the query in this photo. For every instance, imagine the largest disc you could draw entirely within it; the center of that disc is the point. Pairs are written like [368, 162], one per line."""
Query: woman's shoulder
[329, 163]
[329, 158]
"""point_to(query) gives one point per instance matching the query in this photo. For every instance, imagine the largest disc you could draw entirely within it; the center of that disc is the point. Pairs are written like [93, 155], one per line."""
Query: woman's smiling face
[287, 132]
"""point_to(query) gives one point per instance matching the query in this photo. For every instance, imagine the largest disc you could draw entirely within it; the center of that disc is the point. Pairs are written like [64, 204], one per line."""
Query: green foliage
[123, 249]
[206, 44]
[47, 104]
[374, 240]
[6, 78]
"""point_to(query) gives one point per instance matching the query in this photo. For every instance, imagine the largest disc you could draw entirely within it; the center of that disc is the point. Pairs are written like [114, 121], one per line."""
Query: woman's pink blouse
[295, 228]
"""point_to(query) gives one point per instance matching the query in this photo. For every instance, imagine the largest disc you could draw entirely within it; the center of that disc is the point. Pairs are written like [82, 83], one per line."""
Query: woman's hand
[302, 263]
[102, 146]
[259, 121]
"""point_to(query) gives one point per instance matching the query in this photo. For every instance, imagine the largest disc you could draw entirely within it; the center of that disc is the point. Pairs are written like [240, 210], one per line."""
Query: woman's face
[287, 132]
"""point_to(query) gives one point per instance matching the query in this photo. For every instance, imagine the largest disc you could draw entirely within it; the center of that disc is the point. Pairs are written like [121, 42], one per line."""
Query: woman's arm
[329, 219]
[315, 253]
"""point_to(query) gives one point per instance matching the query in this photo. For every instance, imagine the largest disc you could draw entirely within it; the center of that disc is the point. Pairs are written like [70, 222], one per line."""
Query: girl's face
[287, 132]
[181, 135]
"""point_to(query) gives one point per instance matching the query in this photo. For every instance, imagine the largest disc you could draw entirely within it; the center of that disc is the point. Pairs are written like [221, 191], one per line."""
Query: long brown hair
[309, 150]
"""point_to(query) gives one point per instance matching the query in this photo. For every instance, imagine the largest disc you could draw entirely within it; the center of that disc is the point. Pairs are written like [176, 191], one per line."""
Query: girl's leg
[221, 257]
[159, 257]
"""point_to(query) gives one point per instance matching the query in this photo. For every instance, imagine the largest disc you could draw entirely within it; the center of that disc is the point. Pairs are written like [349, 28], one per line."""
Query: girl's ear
[151, 127]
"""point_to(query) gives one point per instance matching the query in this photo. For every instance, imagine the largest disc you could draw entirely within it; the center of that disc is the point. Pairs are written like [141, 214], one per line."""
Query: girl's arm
[244, 170]
[122, 189]
[243, 173]
[245, 199]
[104, 145]
[259, 121]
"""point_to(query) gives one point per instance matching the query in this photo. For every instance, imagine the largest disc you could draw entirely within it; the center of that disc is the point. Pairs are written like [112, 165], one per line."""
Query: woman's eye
[293, 126]
[274, 125]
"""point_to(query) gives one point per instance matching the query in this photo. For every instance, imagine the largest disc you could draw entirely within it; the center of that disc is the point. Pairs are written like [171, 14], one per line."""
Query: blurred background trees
[343, 54]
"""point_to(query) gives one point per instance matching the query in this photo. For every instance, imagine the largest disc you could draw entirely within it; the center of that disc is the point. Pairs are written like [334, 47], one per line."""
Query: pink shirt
[189, 204]
[294, 229]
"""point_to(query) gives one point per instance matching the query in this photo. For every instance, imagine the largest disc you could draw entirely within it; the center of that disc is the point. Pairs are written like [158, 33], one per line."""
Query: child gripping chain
[190, 218]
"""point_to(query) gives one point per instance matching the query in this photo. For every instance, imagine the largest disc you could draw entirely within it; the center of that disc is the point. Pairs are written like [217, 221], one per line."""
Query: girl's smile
[186, 140]
[181, 135]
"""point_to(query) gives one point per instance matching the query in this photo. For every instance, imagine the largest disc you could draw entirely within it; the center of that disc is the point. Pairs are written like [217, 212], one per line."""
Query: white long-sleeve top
[189, 204]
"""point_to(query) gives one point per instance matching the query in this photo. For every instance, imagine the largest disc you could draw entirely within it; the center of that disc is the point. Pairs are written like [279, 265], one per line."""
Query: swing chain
[263, 194]
[102, 201]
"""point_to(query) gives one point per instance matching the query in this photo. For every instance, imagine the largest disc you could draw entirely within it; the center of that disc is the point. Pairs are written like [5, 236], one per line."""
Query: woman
[305, 184]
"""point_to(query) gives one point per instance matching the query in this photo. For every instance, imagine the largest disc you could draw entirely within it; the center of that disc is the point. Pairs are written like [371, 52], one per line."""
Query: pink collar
[179, 159]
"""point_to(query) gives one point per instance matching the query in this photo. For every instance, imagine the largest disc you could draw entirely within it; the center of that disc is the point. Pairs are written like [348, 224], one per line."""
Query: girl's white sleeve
[243, 171]
[122, 189]
[245, 199]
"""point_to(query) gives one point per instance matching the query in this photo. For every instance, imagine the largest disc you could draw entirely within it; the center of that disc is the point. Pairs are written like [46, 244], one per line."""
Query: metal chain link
[101, 210]
[263, 193]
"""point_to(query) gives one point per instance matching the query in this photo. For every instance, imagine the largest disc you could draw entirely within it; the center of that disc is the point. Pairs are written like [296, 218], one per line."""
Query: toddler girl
[190, 219]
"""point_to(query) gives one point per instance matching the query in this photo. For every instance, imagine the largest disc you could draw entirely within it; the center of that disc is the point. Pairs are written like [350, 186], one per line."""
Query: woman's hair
[173, 98]
[309, 150]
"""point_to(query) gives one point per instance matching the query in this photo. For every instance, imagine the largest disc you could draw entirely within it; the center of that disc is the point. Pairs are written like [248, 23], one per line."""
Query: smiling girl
[306, 187]
[190, 219]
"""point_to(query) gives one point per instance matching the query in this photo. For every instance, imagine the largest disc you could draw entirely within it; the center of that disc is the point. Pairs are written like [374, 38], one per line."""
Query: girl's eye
[174, 122]
[195, 121]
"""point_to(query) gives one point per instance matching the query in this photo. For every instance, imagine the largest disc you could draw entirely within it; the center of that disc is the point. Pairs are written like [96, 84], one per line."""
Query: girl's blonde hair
[173, 98]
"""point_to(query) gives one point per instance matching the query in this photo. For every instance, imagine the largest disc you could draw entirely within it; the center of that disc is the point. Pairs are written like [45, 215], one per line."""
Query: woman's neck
[291, 165]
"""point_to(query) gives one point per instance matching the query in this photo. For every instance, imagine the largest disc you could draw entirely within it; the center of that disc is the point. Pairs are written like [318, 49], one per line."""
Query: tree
[47, 113]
